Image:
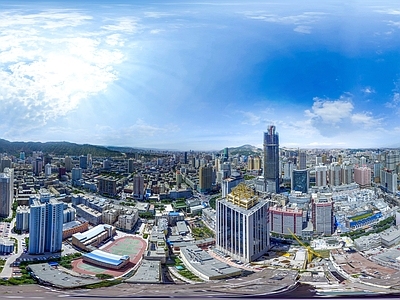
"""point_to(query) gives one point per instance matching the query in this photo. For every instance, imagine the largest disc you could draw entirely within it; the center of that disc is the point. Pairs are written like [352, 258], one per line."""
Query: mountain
[244, 150]
[56, 148]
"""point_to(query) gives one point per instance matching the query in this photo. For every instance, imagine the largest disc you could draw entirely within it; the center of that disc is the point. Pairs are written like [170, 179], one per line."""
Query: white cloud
[156, 31]
[337, 117]
[49, 64]
[124, 24]
[389, 11]
[368, 90]
[330, 111]
[303, 29]
[250, 118]
[303, 21]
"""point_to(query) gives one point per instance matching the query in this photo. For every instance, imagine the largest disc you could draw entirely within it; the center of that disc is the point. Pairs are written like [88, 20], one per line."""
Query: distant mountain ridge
[244, 150]
[55, 148]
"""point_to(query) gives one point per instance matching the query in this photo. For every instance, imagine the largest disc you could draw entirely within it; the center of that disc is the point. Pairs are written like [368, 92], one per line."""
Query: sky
[201, 75]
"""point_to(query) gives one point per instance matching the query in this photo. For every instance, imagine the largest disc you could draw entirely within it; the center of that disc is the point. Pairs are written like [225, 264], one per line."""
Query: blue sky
[192, 75]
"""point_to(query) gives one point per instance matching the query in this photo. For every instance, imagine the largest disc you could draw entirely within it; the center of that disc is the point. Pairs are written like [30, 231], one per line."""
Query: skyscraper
[6, 192]
[45, 226]
[205, 179]
[322, 214]
[68, 163]
[83, 162]
[271, 160]
[302, 160]
[242, 224]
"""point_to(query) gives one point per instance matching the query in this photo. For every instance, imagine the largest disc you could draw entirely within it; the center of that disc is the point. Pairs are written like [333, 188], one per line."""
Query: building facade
[6, 192]
[271, 160]
[242, 224]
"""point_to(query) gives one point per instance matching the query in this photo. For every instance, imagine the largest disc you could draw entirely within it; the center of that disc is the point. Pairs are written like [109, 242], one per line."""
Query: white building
[242, 224]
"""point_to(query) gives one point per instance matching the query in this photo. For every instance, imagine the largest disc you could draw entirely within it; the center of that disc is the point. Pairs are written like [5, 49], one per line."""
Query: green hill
[56, 148]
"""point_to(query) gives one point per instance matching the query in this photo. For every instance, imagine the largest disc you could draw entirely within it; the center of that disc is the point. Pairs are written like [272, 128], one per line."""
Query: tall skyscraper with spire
[271, 160]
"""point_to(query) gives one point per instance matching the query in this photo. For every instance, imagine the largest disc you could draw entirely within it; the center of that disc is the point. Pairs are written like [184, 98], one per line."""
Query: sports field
[128, 245]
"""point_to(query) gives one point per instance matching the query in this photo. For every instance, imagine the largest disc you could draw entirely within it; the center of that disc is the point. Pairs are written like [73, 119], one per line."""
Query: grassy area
[25, 278]
[105, 283]
[362, 216]
[202, 232]
[65, 261]
[184, 272]
[2, 264]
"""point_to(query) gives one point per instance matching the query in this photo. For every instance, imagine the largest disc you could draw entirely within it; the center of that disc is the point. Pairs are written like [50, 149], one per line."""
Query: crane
[310, 252]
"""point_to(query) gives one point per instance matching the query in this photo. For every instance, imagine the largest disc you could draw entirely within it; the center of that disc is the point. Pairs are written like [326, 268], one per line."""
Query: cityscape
[277, 217]
[212, 149]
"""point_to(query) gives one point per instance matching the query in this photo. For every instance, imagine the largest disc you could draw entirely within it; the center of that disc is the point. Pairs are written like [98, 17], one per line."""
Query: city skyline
[200, 76]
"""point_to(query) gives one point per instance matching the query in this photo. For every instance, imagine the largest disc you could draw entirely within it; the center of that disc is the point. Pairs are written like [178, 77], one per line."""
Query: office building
[271, 160]
[322, 214]
[302, 160]
[131, 165]
[242, 224]
[229, 183]
[138, 187]
[300, 181]
[45, 226]
[83, 162]
[205, 179]
[37, 166]
[6, 192]
[5, 163]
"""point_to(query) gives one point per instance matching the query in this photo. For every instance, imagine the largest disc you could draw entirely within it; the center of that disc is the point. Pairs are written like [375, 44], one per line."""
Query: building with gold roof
[242, 224]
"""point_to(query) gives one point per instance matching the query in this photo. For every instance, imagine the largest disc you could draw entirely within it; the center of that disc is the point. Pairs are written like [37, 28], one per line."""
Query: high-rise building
[322, 214]
[5, 163]
[68, 163]
[347, 173]
[47, 170]
[392, 159]
[6, 192]
[321, 173]
[389, 181]
[284, 220]
[226, 154]
[107, 185]
[76, 175]
[335, 174]
[271, 160]
[302, 160]
[131, 166]
[37, 166]
[205, 179]
[45, 226]
[228, 184]
[362, 176]
[83, 162]
[300, 180]
[22, 155]
[89, 161]
[242, 224]
[138, 186]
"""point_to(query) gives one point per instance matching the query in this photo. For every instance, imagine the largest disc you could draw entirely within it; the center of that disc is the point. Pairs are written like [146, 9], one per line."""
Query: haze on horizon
[201, 76]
